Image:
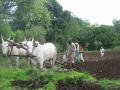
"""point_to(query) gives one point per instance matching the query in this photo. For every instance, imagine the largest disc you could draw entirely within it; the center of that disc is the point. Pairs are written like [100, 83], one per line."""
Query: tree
[116, 25]
[30, 13]
[103, 35]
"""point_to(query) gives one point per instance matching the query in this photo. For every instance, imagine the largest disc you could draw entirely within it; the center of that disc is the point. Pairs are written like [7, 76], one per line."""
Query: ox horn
[2, 38]
[32, 39]
[9, 38]
[25, 39]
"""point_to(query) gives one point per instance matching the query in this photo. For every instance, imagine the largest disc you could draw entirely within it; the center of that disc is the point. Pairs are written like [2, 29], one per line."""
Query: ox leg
[53, 62]
[29, 61]
[41, 64]
[17, 62]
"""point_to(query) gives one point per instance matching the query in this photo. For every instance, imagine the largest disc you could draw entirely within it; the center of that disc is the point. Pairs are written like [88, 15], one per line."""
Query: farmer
[81, 53]
[71, 48]
[102, 51]
[65, 58]
[77, 53]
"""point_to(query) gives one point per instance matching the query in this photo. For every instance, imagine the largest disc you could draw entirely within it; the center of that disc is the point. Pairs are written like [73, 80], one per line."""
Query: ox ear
[2, 38]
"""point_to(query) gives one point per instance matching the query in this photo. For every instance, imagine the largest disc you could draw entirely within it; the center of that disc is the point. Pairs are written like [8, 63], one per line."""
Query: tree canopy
[47, 21]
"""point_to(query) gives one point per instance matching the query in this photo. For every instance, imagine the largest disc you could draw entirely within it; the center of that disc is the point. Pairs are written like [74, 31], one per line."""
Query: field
[95, 73]
[106, 67]
[100, 67]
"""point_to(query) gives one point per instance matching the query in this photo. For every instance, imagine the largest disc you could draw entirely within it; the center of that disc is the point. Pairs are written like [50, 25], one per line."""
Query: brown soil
[100, 67]
[78, 85]
[32, 85]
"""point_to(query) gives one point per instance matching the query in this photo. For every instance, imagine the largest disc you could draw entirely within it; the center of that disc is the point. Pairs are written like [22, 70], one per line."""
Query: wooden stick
[16, 44]
[23, 55]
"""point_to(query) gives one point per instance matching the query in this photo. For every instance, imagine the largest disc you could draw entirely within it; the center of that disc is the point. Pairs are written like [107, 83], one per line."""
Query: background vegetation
[47, 21]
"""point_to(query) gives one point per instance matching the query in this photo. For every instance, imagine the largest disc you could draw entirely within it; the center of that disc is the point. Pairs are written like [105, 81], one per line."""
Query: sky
[96, 11]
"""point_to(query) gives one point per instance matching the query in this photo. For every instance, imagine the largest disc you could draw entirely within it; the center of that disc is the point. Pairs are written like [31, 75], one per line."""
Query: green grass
[7, 75]
[109, 83]
[50, 75]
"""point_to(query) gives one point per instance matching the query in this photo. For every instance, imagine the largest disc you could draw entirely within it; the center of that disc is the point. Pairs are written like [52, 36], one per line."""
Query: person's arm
[73, 47]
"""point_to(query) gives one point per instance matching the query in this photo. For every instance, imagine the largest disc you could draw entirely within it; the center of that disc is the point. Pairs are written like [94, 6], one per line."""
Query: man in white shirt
[102, 51]
[71, 51]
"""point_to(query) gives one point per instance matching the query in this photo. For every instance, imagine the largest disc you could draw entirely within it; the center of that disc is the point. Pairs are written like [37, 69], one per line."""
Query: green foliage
[47, 21]
[55, 8]
[116, 24]
[30, 13]
[5, 30]
[38, 32]
[109, 84]
[96, 36]
[50, 86]
[19, 35]
[7, 75]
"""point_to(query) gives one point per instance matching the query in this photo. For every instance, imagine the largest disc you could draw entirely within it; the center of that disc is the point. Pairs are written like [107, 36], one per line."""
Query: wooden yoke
[19, 46]
[16, 44]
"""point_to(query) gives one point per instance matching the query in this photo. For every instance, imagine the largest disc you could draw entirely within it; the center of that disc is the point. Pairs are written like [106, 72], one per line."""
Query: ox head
[5, 45]
[23, 43]
[30, 45]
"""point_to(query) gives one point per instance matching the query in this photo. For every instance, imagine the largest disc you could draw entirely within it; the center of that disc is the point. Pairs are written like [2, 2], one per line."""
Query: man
[71, 51]
[102, 51]
[79, 52]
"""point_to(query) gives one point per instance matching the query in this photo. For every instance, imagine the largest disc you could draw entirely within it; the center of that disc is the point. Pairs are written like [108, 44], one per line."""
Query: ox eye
[25, 44]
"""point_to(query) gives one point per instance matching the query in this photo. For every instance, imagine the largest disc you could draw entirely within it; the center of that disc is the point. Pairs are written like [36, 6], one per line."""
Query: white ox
[7, 49]
[43, 52]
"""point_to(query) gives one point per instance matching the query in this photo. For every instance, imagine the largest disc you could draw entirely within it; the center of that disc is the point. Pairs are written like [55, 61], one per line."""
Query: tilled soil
[100, 67]
[78, 85]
